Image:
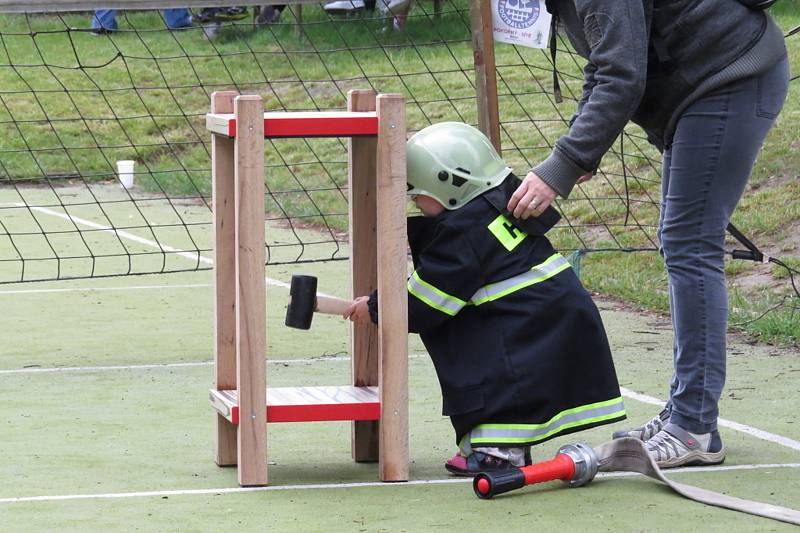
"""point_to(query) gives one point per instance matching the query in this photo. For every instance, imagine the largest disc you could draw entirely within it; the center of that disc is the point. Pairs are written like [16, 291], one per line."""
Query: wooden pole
[485, 73]
[224, 275]
[363, 268]
[392, 292]
[297, 14]
[250, 290]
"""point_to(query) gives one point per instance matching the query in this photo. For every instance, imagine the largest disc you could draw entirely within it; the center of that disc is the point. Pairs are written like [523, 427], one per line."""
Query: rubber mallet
[304, 302]
[576, 464]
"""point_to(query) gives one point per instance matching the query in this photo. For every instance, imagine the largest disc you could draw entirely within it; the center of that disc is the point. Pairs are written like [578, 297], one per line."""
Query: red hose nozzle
[575, 464]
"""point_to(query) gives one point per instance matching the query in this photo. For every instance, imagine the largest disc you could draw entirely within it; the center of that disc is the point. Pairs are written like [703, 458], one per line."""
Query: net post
[485, 72]
[392, 275]
[222, 202]
[363, 269]
[251, 377]
[297, 13]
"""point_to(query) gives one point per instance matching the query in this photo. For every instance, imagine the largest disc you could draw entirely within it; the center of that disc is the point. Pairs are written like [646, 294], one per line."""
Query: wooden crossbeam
[306, 404]
[302, 124]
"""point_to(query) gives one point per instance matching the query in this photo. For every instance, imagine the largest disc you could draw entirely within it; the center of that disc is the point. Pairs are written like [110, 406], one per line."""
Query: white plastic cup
[125, 173]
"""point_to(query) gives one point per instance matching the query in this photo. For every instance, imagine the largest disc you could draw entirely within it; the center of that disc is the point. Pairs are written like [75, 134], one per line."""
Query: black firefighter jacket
[518, 344]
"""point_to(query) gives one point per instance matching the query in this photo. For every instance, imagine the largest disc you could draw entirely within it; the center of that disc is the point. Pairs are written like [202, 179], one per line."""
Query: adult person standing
[105, 20]
[706, 81]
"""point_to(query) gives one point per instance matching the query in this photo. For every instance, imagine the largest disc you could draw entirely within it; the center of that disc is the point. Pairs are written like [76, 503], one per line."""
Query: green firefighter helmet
[453, 163]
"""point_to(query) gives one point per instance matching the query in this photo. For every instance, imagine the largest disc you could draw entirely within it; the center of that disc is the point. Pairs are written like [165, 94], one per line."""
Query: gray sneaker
[647, 431]
[674, 446]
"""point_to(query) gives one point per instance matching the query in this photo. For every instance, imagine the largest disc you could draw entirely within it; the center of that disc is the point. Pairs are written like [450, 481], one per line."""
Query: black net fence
[74, 103]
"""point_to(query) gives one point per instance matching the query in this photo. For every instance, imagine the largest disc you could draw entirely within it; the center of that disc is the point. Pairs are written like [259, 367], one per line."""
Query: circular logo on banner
[518, 14]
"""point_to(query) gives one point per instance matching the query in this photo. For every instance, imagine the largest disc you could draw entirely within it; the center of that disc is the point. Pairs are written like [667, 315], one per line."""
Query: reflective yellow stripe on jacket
[518, 434]
[451, 305]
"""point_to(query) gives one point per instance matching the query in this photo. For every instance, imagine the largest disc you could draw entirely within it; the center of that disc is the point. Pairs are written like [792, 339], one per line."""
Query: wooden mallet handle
[304, 301]
[331, 306]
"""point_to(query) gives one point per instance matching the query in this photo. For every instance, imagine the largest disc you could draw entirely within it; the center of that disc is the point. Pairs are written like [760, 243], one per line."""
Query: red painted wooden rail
[302, 124]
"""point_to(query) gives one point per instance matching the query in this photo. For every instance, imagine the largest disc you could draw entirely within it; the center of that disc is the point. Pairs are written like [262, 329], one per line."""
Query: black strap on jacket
[553, 49]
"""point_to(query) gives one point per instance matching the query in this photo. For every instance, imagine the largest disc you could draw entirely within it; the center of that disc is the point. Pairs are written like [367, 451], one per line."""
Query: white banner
[523, 22]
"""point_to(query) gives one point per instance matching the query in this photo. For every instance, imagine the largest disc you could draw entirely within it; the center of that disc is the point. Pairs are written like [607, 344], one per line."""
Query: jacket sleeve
[446, 277]
[588, 84]
[617, 34]
[447, 272]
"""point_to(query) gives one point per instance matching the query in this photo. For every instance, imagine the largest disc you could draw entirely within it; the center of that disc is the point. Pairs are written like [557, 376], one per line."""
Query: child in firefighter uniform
[518, 345]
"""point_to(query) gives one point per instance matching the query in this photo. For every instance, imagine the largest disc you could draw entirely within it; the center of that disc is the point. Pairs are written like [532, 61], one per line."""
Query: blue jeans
[175, 18]
[705, 171]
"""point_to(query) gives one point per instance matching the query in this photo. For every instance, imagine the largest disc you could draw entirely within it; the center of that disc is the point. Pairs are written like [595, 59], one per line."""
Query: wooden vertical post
[224, 275]
[363, 268]
[251, 378]
[392, 292]
[485, 73]
[297, 13]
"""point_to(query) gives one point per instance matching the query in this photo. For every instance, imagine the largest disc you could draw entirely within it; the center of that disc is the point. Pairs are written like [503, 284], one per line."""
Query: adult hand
[358, 310]
[531, 198]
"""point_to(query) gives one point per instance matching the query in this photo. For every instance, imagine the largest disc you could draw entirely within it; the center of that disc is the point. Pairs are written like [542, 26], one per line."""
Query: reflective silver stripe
[434, 297]
[554, 264]
[451, 305]
[530, 433]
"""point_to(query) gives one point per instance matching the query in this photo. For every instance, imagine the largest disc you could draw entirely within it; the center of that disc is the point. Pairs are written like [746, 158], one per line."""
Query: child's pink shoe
[476, 463]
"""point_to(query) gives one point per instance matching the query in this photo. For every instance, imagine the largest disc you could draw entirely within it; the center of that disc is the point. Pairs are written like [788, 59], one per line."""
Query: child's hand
[358, 310]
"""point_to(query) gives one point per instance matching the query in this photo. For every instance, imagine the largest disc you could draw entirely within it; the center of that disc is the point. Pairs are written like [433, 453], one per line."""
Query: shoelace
[665, 444]
[652, 427]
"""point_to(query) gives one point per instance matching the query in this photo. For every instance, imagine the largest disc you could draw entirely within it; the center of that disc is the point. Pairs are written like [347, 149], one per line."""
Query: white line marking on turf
[270, 281]
[65, 369]
[692, 469]
[194, 256]
[329, 486]
[102, 289]
[759, 433]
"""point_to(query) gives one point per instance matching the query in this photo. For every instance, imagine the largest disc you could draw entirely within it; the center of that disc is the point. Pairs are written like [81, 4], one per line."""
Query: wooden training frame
[377, 399]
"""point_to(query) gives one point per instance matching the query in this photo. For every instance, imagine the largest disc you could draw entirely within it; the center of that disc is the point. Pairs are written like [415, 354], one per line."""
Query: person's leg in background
[207, 14]
[269, 14]
[177, 18]
[221, 14]
[713, 152]
[398, 9]
[104, 20]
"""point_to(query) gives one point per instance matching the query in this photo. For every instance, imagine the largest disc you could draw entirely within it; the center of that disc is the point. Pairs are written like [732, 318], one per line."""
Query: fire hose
[578, 464]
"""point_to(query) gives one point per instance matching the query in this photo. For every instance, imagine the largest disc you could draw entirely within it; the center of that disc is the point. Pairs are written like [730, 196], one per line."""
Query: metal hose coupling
[585, 460]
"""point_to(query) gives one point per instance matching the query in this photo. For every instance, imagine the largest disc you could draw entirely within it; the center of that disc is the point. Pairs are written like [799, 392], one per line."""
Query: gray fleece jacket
[647, 61]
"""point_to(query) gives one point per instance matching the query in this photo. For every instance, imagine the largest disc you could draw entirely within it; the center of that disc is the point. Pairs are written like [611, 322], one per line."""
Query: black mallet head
[302, 302]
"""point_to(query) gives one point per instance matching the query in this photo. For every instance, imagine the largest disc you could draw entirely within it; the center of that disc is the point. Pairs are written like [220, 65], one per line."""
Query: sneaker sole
[694, 458]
